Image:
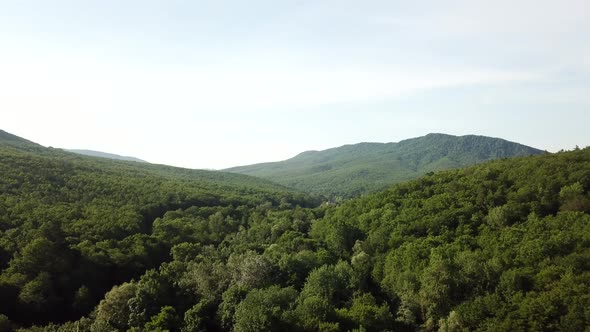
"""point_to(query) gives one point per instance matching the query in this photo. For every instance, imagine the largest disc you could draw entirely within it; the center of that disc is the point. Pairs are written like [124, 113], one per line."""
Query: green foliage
[72, 227]
[573, 199]
[37, 293]
[265, 310]
[113, 311]
[5, 324]
[165, 320]
[249, 270]
[353, 170]
[365, 313]
[231, 298]
[329, 282]
[501, 246]
[196, 318]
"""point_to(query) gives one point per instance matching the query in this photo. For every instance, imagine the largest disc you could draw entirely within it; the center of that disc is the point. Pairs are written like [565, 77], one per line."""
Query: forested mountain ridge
[8, 137]
[502, 246]
[206, 179]
[499, 246]
[353, 170]
[73, 226]
[100, 154]
[19, 143]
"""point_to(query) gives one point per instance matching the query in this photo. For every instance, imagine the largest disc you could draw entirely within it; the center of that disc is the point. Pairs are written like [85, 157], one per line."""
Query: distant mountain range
[105, 155]
[353, 170]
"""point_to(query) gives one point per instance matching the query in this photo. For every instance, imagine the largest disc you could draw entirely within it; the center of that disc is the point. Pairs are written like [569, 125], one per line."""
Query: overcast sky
[214, 84]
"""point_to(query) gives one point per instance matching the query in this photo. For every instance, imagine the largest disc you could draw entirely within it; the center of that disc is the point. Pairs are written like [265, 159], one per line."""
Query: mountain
[499, 246]
[39, 158]
[16, 142]
[71, 223]
[8, 137]
[357, 169]
[105, 155]
[91, 244]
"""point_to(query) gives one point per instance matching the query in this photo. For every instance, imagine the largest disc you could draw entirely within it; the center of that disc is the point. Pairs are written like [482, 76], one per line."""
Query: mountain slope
[351, 170]
[8, 137]
[11, 141]
[120, 246]
[19, 152]
[499, 246]
[73, 225]
[93, 153]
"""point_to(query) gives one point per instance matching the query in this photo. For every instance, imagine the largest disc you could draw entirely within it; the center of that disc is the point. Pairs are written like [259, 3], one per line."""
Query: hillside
[15, 142]
[93, 153]
[353, 170]
[13, 139]
[500, 246]
[73, 226]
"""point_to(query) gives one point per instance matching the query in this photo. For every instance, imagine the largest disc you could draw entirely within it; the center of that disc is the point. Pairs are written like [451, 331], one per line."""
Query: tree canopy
[353, 170]
[88, 244]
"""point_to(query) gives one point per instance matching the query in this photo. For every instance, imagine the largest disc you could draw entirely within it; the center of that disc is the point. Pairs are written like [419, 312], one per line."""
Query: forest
[89, 244]
[354, 170]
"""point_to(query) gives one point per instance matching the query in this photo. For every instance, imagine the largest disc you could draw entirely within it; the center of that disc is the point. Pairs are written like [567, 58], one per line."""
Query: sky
[215, 84]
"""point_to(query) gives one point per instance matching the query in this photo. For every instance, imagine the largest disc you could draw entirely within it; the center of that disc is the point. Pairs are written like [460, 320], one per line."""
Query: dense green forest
[89, 244]
[71, 227]
[352, 170]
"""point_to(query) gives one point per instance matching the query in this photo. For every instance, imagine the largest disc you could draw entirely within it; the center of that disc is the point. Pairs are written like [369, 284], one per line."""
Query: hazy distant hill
[351, 170]
[105, 155]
